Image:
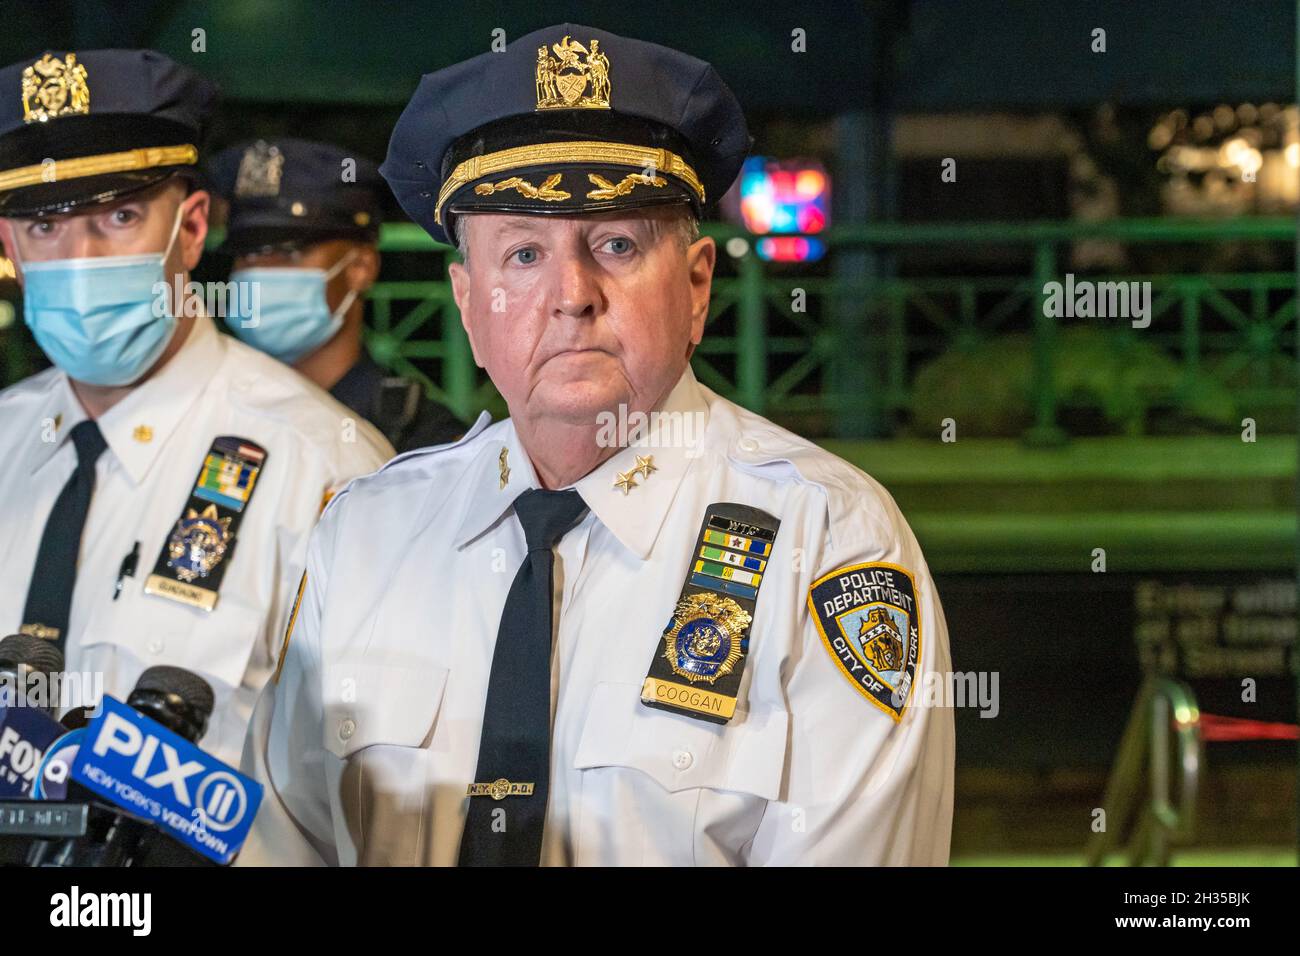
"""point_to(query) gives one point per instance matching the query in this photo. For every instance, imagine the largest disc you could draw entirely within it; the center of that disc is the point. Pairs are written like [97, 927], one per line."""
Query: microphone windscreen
[36, 653]
[188, 686]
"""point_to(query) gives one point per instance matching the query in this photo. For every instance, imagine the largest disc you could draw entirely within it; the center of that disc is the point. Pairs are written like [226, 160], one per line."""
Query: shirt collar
[58, 415]
[655, 454]
[501, 472]
[138, 427]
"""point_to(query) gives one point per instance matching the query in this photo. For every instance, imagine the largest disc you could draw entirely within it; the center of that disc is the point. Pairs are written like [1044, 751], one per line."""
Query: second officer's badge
[197, 543]
[867, 617]
[197, 551]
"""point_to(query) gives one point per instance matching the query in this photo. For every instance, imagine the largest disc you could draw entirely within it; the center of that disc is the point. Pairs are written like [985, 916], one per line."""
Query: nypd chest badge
[868, 620]
[194, 557]
[702, 657]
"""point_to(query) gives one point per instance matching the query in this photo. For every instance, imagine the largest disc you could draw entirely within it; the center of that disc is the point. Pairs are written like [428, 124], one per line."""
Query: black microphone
[26, 662]
[181, 701]
[30, 670]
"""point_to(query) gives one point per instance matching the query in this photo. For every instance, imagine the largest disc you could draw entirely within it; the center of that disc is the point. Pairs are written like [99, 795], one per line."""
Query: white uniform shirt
[158, 437]
[369, 737]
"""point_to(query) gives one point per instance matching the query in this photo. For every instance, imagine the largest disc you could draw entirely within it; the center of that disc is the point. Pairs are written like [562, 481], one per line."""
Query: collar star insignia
[645, 465]
[625, 480]
[503, 467]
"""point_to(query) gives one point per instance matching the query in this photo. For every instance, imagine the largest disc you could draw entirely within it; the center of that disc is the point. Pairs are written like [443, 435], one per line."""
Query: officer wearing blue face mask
[302, 227]
[98, 317]
[160, 480]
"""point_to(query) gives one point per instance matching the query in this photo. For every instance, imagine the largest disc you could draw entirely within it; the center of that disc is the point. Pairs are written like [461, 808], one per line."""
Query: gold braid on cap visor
[541, 154]
[54, 171]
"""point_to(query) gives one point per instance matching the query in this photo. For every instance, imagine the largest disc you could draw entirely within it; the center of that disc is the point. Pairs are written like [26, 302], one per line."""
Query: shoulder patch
[867, 617]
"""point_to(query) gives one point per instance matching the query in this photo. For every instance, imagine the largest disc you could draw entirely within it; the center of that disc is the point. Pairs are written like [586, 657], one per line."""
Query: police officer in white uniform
[634, 623]
[159, 482]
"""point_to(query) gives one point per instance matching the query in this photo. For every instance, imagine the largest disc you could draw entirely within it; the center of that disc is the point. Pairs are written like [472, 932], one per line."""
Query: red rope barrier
[1216, 729]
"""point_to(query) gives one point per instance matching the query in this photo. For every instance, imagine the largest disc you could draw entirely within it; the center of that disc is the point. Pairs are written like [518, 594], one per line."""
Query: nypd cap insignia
[89, 126]
[869, 622]
[568, 119]
[292, 192]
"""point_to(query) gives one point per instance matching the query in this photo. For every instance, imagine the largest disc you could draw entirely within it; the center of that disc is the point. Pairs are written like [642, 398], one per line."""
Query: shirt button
[156, 646]
[682, 759]
[347, 727]
[748, 444]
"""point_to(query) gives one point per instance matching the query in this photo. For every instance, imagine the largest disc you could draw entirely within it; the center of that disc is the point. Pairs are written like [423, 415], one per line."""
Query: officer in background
[303, 225]
[159, 482]
[634, 623]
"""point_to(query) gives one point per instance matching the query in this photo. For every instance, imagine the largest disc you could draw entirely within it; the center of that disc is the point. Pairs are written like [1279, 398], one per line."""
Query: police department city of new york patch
[868, 620]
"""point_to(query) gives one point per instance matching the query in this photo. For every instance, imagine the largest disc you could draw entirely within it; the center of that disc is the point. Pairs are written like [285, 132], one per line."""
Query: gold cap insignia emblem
[575, 78]
[54, 87]
[260, 169]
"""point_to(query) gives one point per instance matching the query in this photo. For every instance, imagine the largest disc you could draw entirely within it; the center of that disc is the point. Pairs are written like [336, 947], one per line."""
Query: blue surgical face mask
[103, 320]
[283, 311]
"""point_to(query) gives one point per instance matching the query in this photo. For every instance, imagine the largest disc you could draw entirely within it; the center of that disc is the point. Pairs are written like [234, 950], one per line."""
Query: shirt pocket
[379, 724]
[665, 788]
[217, 645]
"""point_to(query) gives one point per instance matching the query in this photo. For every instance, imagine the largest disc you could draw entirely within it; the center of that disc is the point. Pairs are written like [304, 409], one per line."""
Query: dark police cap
[568, 119]
[91, 126]
[291, 192]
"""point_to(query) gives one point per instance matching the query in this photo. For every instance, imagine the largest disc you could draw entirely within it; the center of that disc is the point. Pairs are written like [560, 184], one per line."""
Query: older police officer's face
[572, 316]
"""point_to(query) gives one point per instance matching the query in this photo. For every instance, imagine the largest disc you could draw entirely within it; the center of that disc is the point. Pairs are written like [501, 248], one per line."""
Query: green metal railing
[839, 348]
[834, 348]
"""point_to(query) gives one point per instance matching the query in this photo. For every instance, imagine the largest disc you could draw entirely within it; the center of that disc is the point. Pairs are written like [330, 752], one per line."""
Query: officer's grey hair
[687, 227]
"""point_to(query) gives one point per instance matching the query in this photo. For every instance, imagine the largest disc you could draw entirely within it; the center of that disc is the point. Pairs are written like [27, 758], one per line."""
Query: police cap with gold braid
[568, 119]
[85, 127]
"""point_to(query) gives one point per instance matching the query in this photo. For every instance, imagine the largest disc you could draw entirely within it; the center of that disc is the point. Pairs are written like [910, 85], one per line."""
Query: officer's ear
[194, 228]
[363, 271]
[700, 260]
[460, 285]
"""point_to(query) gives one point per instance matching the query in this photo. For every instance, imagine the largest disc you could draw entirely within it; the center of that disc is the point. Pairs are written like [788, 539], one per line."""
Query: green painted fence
[833, 348]
[838, 348]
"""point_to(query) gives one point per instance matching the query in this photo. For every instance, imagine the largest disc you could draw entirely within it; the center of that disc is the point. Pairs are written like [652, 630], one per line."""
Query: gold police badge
[54, 87]
[575, 78]
[198, 543]
[704, 642]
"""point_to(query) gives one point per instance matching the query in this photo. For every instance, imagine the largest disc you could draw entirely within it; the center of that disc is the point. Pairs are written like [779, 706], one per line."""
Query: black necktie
[515, 747]
[49, 597]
